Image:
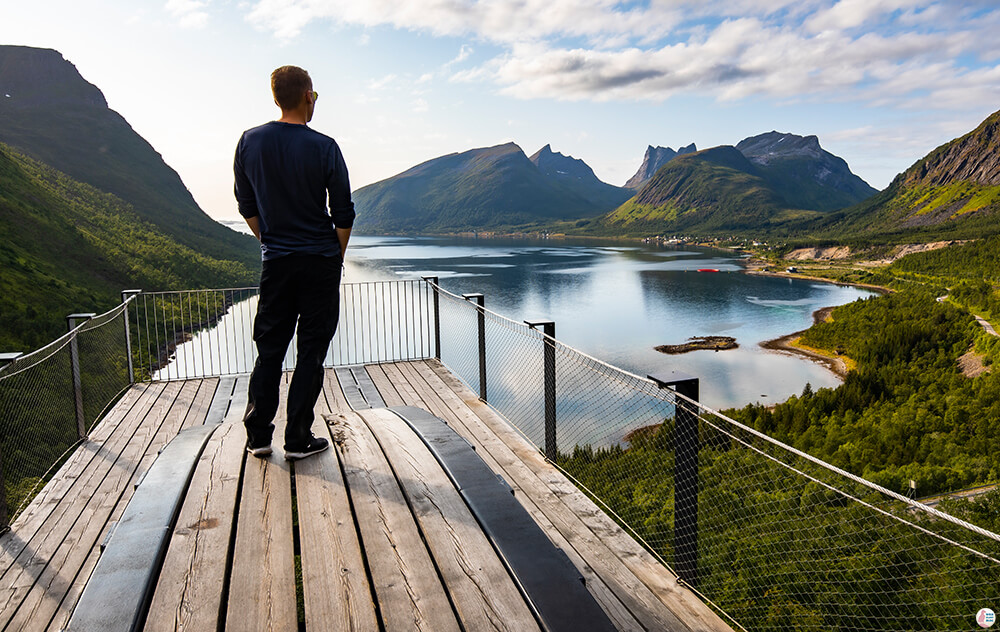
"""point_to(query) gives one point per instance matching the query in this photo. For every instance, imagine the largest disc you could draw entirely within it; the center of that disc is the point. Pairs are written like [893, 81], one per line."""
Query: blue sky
[881, 82]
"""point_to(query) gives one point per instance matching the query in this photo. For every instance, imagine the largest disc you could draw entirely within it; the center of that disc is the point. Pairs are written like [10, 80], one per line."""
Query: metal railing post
[433, 281]
[74, 356]
[685, 474]
[126, 297]
[481, 318]
[549, 329]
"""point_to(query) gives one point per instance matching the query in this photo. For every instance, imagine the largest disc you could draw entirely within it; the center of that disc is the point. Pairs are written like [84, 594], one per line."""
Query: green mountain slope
[767, 182]
[53, 115]
[952, 192]
[710, 190]
[66, 246]
[481, 189]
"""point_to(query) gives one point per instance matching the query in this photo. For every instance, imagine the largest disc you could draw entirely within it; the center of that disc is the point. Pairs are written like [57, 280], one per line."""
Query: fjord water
[617, 300]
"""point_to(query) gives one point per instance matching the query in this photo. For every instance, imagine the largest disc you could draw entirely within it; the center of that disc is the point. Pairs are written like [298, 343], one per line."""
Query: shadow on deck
[377, 529]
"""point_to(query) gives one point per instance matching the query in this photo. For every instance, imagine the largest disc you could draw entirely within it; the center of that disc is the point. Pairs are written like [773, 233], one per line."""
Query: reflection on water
[617, 301]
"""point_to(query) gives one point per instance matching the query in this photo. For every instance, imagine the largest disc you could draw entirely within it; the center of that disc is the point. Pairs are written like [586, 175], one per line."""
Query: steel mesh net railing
[775, 539]
[196, 333]
[47, 405]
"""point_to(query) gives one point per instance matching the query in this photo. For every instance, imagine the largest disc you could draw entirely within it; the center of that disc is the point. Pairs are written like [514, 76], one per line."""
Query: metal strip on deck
[220, 402]
[359, 389]
[551, 584]
[120, 589]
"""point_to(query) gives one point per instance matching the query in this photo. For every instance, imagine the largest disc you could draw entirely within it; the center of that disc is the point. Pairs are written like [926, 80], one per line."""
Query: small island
[715, 343]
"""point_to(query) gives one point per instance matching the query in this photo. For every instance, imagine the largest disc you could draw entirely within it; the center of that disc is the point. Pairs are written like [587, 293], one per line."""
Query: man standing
[286, 173]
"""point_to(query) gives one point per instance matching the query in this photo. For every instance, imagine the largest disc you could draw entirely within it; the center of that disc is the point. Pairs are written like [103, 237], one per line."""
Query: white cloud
[885, 52]
[188, 13]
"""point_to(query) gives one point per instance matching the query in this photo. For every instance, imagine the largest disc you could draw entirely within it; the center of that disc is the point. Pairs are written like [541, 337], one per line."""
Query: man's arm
[254, 224]
[343, 235]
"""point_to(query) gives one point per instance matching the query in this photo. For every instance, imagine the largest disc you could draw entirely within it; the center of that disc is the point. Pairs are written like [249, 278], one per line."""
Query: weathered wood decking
[382, 536]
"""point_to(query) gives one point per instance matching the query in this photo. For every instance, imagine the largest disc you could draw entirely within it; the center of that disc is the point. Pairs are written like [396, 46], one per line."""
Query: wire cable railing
[51, 398]
[774, 538]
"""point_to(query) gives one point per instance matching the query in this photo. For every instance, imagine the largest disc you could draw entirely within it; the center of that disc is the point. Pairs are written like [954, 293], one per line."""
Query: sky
[880, 82]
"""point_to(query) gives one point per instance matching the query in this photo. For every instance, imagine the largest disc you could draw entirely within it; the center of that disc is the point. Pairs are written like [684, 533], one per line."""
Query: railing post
[481, 317]
[126, 297]
[433, 281]
[74, 356]
[5, 359]
[549, 329]
[685, 473]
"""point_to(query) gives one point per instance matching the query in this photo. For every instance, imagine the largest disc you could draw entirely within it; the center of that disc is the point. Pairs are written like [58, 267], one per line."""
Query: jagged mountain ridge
[763, 182]
[57, 117]
[652, 160]
[487, 188]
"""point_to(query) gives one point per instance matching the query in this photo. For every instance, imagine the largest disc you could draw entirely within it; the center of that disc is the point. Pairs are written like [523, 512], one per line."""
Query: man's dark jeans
[303, 288]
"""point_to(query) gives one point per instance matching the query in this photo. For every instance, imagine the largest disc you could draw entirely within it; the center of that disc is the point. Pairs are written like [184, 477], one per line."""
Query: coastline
[787, 344]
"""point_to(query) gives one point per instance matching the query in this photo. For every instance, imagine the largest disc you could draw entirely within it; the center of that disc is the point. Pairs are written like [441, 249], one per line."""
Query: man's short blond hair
[289, 85]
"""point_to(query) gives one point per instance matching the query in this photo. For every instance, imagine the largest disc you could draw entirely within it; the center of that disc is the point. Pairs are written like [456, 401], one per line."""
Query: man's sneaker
[259, 451]
[313, 446]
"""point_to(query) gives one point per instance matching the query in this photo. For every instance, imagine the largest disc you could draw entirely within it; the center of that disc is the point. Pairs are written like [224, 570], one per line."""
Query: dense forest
[777, 551]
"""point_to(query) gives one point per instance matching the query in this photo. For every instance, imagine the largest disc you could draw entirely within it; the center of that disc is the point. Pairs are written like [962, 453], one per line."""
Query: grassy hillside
[951, 193]
[58, 118]
[65, 246]
[712, 190]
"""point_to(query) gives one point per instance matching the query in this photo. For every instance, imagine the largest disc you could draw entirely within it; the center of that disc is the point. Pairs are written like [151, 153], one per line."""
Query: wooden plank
[406, 583]
[335, 585]
[630, 570]
[200, 406]
[384, 385]
[122, 583]
[189, 589]
[262, 580]
[481, 589]
[632, 608]
[335, 397]
[30, 556]
[163, 422]
[39, 512]
[54, 566]
[403, 387]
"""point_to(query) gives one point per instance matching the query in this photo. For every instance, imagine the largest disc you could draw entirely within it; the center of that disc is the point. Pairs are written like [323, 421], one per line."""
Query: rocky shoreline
[786, 344]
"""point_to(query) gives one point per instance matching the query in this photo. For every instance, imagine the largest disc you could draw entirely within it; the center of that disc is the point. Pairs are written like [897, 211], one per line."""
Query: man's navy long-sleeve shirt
[285, 173]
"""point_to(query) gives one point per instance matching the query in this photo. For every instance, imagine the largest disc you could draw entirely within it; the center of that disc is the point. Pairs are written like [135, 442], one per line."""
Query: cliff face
[973, 158]
[54, 115]
[652, 160]
[952, 191]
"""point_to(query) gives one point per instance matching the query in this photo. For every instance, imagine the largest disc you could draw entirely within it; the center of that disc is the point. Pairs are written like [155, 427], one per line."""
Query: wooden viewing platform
[378, 528]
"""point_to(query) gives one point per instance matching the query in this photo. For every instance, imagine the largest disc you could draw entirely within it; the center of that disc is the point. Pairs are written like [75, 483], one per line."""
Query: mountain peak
[555, 164]
[765, 147]
[652, 160]
[42, 77]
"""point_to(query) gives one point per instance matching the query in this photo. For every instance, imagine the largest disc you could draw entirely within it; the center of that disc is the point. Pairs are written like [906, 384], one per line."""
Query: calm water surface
[617, 300]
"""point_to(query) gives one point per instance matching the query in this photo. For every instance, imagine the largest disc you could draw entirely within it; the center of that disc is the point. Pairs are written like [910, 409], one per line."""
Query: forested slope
[66, 246]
